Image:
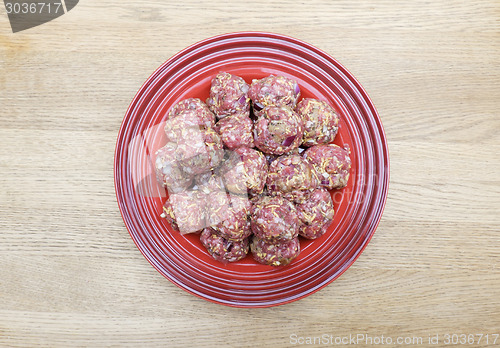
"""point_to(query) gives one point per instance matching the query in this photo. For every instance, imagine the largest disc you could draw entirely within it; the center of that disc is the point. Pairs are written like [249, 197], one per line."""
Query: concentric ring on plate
[182, 259]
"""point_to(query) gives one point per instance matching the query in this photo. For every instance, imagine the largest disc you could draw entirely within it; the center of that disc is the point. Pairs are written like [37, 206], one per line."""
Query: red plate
[182, 259]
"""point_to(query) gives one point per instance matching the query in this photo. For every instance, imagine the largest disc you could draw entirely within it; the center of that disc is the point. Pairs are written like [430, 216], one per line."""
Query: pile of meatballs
[250, 168]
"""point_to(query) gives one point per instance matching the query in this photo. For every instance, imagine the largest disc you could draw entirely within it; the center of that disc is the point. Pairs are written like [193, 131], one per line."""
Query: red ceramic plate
[182, 259]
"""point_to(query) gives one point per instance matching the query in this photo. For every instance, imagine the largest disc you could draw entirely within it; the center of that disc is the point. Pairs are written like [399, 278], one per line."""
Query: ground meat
[292, 177]
[273, 90]
[227, 214]
[315, 214]
[235, 226]
[320, 120]
[270, 158]
[185, 211]
[209, 182]
[217, 206]
[274, 219]
[278, 130]
[245, 171]
[332, 163]
[230, 200]
[199, 150]
[221, 249]
[176, 128]
[236, 131]
[198, 112]
[280, 254]
[169, 171]
[228, 95]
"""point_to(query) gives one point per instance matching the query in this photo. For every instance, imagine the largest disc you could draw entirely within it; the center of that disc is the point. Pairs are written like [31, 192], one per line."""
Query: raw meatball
[199, 150]
[320, 120]
[236, 131]
[234, 224]
[332, 163]
[197, 110]
[280, 254]
[221, 249]
[245, 171]
[209, 182]
[227, 214]
[278, 130]
[185, 211]
[292, 177]
[273, 90]
[168, 170]
[315, 214]
[274, 219]
[176, 128]
[270, 158]
[228, 95]
[235, 227]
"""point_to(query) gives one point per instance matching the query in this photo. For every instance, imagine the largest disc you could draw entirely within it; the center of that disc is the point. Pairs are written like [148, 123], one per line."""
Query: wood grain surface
[70, 275]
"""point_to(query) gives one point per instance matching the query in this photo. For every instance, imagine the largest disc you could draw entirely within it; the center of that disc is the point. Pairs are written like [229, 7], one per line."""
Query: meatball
[315, 214]
[234, 224]
[245, 171]
[185, 211]
[279, 254]
[236, 131]
[321, 122]
[168, 170]
[209, 182]
[273, 90]
[217, 206]
[270, 158]
[228, 215]
[274, 219]
[199, 150]
[197, 110]
[332, 163]
[278, 130]
[228, 95]
[176, 128]
[221, 249]
[292, 177]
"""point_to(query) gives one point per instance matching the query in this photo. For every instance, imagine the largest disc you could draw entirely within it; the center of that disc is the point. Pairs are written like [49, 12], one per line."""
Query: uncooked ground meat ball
[236, 131]
[169, 171]
[278, 130]
[199, 150]
[234, 228]
[185, 211]
[221, 249]
[274, 219]
[320, 121]
[228, 95]
[245, 171]
[279, 254]
[273, 90]
[197, 110]
[228, 215]
[270, 158]
[332, 163]
[292, 177]
[209, 182]
[217, 205]
[315, 214]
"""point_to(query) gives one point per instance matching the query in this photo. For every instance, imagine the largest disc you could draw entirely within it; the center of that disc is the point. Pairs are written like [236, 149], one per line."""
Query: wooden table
[71, 275]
